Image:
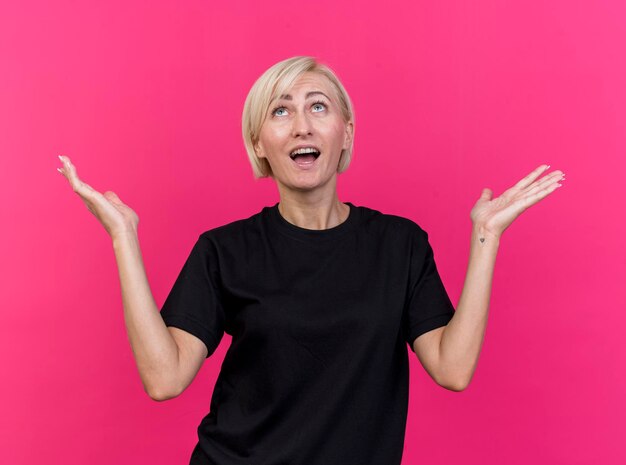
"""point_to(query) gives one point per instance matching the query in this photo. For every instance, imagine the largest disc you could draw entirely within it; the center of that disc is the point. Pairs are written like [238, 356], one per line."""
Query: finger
[487, 194]
[544, 182]
[112, 197]
[80, 187]
[68, 170]
[62, 170]
[528, 180]
[531, 199]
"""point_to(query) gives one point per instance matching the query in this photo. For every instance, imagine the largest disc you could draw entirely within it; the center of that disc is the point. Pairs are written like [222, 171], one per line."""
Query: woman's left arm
[462, 338]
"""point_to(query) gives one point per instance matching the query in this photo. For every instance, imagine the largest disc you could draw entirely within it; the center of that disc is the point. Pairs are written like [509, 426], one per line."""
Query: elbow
[456, 387]
[160, 394]
[160, 397]
[454, 379]
[456, 384]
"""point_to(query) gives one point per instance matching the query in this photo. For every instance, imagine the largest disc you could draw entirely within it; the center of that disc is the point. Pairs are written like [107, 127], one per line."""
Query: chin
[309, 186]
[302, 186]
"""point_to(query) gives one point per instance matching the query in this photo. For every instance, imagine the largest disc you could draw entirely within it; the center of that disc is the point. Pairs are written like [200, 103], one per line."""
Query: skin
[308, 198]
[168, 358]
[450, 353]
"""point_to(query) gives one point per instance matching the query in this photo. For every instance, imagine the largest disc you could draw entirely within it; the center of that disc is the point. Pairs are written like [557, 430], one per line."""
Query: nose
[301, 124]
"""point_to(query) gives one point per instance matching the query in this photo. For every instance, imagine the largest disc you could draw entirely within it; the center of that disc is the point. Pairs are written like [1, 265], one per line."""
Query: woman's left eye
[319, 104]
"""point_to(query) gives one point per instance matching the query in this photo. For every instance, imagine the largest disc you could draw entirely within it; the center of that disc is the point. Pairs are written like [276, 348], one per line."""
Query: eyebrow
[309, 94]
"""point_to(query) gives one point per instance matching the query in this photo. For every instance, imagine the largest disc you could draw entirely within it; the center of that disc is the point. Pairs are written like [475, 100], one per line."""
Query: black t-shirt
[317, 370]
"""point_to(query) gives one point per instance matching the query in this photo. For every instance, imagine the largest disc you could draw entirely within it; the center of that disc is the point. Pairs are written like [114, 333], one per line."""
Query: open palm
[495, 215]
[116, 217]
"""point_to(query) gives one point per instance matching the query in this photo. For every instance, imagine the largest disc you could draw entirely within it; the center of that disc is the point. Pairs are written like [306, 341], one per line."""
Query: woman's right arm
[168, 358]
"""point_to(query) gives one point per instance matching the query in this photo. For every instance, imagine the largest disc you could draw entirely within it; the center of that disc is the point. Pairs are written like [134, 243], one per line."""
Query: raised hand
[495, 215]
[116, 217]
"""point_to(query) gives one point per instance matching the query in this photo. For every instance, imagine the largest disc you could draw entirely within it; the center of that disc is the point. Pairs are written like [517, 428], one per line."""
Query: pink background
[450, 97]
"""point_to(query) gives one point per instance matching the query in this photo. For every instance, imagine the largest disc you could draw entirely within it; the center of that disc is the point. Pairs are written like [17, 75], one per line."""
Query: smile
[305, 158]
[305, 161]
[305, 153]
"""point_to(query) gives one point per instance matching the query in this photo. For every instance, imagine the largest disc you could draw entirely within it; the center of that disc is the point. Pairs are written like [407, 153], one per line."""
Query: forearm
[462, 339]
[154, 348]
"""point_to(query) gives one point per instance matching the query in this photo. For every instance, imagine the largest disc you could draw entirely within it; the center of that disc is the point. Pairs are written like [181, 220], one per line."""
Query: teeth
[304, 150]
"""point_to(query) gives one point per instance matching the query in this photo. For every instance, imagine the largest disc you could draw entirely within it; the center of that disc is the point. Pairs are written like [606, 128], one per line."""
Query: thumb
[112, 196]
[487, 194]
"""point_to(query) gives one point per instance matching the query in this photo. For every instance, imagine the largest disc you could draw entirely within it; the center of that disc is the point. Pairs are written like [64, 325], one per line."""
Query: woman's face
[308, 116]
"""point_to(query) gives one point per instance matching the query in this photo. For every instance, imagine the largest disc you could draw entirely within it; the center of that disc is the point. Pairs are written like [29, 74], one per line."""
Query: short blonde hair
[274, 82]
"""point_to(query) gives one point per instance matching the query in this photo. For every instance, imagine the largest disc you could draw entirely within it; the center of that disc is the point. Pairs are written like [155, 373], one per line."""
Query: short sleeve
[194, 303]
[428, 305]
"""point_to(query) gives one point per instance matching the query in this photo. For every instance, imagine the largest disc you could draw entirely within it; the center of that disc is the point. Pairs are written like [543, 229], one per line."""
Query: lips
[306, 160]
[312, 151]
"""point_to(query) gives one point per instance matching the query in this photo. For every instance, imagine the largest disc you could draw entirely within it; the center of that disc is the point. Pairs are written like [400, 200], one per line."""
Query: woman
[319, 296]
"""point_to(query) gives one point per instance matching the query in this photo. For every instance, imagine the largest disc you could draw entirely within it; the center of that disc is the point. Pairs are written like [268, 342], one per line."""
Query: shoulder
[387, 223]
[235, 233]
[232, 227]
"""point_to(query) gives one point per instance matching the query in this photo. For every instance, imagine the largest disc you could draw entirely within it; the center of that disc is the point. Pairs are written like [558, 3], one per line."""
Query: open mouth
[305, 156]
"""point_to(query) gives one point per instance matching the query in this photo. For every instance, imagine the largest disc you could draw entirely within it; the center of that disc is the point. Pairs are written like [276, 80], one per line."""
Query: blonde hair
[274, 82]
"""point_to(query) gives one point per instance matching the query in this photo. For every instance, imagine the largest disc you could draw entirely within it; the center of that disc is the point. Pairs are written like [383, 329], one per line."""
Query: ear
[347, 141]
[258, 151]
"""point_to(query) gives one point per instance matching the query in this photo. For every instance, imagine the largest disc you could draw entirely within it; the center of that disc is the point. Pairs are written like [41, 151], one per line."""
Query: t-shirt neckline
[314, 235]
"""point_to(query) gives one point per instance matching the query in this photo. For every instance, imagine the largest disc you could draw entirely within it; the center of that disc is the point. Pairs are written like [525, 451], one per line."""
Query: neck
[313, 213]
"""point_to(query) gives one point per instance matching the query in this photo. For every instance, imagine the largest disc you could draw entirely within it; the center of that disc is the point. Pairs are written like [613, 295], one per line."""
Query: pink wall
[450, 97]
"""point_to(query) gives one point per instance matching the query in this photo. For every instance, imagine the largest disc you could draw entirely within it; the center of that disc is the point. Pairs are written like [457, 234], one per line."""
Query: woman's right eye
[275, 110]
